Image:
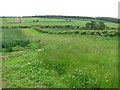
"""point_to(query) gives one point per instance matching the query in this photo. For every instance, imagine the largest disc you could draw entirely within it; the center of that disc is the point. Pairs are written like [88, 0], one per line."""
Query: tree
[88, 26]
[37, 20]
[95, 25]
[102, 26]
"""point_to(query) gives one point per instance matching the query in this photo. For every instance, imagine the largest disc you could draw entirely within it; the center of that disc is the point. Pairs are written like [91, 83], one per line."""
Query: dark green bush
[99, 33]
[8, 49]
[104, 32]
[50, 32]
[22, 43]
[113, 28]
[95, 25]
[44, 31]
[54, 33]
[64, 32]
[59, 33]
[77, 27]
[83, 33]
[47, 26]
[67, 26]
[4, 27]
[116, 33]
[76, 32]
[24, 26]
[8, 45]
[92, 33]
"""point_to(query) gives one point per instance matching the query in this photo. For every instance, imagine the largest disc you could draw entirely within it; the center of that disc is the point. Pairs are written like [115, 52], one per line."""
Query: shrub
[50, 32]
[24, 26]
[76, 32]
[64, 32]
[95, 25]
[47, 26]
[67, 26]
[37, 20]
[88, 32]
[44, 31]
[99, 33]
[54, 33]
[33, 20]
[7, 44]
[23, 43]
[116, 33]
[113, 28]
[8, 49]
[77, 27]
[83, 33]
[4, 27]
[59, 33]
[92, 33]
[104, 32]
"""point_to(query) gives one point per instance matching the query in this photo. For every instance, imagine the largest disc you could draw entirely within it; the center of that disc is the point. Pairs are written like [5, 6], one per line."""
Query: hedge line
[54, 26]
[85, 32]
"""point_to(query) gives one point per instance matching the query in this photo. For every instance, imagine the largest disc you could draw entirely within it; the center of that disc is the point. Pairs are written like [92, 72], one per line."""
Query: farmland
[55, 53]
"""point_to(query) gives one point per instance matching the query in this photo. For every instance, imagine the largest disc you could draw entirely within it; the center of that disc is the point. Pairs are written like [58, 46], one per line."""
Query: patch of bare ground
[4, 57]
[17, 51]
[13, 52]
[43, 86]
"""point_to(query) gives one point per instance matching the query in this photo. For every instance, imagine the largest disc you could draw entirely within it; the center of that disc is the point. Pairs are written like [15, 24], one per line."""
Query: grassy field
[43, 60]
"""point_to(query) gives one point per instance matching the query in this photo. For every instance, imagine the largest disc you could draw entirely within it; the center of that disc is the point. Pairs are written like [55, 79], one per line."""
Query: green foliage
[111, 33]
[8, 49]
[102, 26]
[83, 33]
[22, 43]
[12, 38]
[95, 25]
[76, 32]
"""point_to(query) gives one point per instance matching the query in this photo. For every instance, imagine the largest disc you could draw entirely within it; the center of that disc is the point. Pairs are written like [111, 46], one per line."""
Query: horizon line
[57, 15]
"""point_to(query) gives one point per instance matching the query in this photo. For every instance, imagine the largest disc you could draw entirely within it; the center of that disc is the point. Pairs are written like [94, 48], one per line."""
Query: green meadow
[49, 54]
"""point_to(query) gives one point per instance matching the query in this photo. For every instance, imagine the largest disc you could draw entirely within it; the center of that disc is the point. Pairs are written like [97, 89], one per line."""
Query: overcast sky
[94, 8]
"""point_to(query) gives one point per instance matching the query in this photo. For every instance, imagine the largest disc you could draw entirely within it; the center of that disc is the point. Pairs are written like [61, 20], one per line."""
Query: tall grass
[92, 57]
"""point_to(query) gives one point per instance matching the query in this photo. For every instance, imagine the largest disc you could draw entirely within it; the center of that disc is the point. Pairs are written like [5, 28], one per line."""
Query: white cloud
[106, 8]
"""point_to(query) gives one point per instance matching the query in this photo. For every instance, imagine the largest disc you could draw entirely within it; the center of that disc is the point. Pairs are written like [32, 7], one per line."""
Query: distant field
[47, 21]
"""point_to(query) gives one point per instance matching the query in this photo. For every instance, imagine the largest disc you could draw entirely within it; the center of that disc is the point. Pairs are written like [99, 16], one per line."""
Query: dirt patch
[18, 51]
[6, 57]
[3, 57]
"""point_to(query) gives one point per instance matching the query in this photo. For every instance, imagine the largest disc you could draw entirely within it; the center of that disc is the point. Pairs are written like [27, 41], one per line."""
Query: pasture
[59, 60]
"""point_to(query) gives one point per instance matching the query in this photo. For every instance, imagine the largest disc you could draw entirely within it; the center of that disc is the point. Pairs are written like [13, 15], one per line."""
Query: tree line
[110, 19]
